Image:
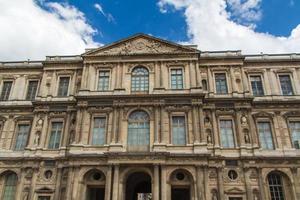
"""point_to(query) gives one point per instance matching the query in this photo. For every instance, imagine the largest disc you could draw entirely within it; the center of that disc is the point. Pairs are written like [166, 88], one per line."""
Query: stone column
[198, 75]
[245, 81]
[58, 183]
[115, 125]
[199, 182]
[201, 119]
[164, 195]
[155, 192]
[221, 183]
[66, 130]
[247, 184]
[215, 129]
[267, 82]
[20, 185]
[192, 76]
[205, 183]
[115, 192]
[120, 78]
[195, 124]
[117, 76]
[252, 131]
[296, 182]
[239, 132]
[157, 76]
[108, 183]
[261, 185]
[232, 78]
[210, 81]
[156, 125]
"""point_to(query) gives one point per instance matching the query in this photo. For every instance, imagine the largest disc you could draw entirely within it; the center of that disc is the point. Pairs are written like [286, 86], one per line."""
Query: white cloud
[108, 16]
[210, 27]
[29, 29]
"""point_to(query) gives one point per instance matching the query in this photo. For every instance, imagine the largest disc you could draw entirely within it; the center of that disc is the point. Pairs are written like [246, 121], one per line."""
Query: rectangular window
[99, 131]
[265, 135]
[295, 133]
[176, 79]
[257, 86]
[226, 129]
[22, 136]
[6, 88]
[55, 135]
[286, 85]
[221, 84]
[103, 81]
[63, 86]
[31, 91]
[178, 130]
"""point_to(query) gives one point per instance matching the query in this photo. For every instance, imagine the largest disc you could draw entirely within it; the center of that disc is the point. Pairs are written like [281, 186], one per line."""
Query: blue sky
[133, 16]
[33, 29]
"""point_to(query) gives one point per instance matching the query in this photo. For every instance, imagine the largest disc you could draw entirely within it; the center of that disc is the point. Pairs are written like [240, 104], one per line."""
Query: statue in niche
[72, 137]
[37, 138]
[246, 136]
[214, 195]
[209, 137]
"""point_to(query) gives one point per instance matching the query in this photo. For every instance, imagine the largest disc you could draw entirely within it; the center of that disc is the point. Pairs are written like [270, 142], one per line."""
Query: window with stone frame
[178, 130]
[140, 80]
[99, 131]
[257, 85]
[221, 83]
[6, 90]
[10, 186]
[177, 78]
[227, 133]
[286, 84]
[32, 89]
[22, 135]
[276, 186]
[265, 135]
[55, 135]
[103, 80]
[294, 127]
[63, 86]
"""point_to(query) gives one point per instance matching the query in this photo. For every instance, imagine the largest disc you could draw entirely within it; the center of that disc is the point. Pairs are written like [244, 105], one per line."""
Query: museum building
[144, 118]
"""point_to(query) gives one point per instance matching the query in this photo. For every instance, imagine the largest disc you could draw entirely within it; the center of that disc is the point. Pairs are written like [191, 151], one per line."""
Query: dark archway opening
[138, 184]
[95, 193]
[179, 193]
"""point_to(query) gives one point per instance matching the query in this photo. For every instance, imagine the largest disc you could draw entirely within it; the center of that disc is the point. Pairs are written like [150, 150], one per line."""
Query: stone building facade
[146, 118]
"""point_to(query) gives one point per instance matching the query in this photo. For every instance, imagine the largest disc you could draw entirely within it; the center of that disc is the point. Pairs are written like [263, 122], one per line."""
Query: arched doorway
[280, 187]
[138, 186]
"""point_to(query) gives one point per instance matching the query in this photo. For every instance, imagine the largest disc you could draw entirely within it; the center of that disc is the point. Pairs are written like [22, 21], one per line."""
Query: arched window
[10, 186]
[138, 131]
[140, 80]
[276, 186]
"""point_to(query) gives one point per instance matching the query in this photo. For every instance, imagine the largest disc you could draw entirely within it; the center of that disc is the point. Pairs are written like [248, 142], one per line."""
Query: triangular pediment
[141, 44]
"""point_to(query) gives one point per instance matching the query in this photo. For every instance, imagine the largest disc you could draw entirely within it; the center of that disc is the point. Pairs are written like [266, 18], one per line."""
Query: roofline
[136, 35]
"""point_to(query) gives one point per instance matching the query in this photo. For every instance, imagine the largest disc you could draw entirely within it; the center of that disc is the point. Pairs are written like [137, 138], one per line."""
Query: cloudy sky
[33, 29]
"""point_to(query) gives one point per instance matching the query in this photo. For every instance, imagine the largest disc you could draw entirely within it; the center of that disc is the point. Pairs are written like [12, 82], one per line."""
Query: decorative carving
[244, 120]
[213, 174]
[142, 45]
[246, 136]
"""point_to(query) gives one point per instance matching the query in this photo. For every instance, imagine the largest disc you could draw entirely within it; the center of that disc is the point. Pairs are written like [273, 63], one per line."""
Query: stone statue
[247, 137]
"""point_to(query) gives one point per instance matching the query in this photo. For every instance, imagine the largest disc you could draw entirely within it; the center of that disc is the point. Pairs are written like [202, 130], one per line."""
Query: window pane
[55, 135]
[99, 135]
[63, 86]
[6, 88]
[295, 134]
[138, 129]
[256, 84]
[22, 136]
[140, 80]
[31, 91]
[227, 138]
[265, 135]
[176, 79]
[10, 187]
[275, 186]
[286, 85]
[178, 130]
[221, 84]
[103, 81]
